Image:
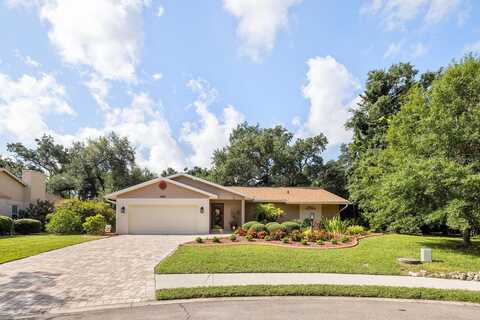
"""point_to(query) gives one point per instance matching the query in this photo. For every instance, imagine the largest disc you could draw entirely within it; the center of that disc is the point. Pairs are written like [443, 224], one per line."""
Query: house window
[14, 210]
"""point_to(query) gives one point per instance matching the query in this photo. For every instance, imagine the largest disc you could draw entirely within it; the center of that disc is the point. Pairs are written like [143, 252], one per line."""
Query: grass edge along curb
[320, 290]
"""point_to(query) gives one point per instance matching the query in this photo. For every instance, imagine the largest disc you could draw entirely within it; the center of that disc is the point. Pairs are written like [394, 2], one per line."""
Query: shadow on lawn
[25, 293]
[453, 244]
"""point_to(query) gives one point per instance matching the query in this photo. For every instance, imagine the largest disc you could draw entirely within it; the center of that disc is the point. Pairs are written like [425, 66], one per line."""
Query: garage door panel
[164, 219]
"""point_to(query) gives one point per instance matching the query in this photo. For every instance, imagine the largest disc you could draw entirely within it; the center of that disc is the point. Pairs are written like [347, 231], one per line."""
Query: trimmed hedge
[257, 227]
[274, 226]
[27, 226]
[6, 225]
[291, 225]
[95, 225]
[248, 224]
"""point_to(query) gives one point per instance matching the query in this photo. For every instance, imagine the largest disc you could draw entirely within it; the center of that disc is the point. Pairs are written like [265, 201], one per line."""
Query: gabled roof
[229, 189]
[11, 175]
[293, 195]
[114, 195]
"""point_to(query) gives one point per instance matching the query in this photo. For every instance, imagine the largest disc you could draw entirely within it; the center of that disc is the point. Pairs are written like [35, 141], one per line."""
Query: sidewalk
[168, 281]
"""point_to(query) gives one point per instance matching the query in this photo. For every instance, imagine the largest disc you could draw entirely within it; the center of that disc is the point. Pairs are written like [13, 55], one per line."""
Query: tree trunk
[466, 237]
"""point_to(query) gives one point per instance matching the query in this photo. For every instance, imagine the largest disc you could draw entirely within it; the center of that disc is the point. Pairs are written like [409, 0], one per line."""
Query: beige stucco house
[17, 194]
[183, 204]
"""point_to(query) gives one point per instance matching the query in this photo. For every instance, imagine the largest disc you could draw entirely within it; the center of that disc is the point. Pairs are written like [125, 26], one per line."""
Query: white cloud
[25, 104]
[209, 132]
[145, 127]
[419, 49]
[105, 35]
[160, 11]
[396, 13]
[259, 22]
[402, 50]
[472, 47]
[393, 49]
[157, 76]
[99, 89]
[331, 91]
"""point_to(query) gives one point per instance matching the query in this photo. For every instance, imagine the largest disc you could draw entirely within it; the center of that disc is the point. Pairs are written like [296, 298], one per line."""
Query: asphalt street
[273, 308]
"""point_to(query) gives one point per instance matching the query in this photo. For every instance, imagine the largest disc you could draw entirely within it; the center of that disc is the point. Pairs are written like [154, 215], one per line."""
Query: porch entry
[217, 216]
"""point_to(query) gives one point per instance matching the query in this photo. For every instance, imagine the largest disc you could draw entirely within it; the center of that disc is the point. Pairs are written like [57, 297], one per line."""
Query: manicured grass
[319, 290]
[17, 247]
[375, 255]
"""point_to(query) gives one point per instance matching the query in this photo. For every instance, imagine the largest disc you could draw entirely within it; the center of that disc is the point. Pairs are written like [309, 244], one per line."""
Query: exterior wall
[11, 189]
[232, 211]
[6, 206]
[203, 221]
[292, 211]
[154, 192]
[35, 181]
[222, 194]
[330, 210]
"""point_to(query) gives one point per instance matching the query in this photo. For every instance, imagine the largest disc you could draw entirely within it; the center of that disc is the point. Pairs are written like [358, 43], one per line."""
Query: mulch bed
[225, 241]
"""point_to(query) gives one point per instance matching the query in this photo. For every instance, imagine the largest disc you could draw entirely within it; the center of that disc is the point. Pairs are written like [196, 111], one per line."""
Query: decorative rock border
[467, 276]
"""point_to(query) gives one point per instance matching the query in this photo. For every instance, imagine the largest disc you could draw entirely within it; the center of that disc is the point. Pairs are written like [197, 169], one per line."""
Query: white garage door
[164, 219]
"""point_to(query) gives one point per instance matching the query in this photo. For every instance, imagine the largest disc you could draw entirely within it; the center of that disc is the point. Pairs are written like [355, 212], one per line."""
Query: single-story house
[17, 194]
[184, 204]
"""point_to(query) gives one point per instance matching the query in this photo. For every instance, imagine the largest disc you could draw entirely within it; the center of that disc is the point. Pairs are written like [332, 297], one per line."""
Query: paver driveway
[107, 271]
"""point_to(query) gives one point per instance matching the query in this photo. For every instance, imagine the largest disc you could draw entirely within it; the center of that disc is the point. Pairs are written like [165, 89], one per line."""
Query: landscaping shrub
[252, 233]
[257, 227]
[261, 234]
[319, 242]
[248, 224]
[296, 235]
[89, 208]
[95, 225]
[267, 238]
[344, 239]
[64, 221]
[241, 232]
[335, 225]
[233, 238]
[278, 235]
[27, 226]
[290, 226]
[38, 211]
[304, 242]
[6, 225]
[273, 226]
[268, 212]
[216, 239]
[334, 241]
[249, 237]
[199, 240]
[355, 230]
[285, 240]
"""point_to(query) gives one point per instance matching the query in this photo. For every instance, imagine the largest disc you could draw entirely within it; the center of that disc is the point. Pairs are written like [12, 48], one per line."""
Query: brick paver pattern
[101, 272]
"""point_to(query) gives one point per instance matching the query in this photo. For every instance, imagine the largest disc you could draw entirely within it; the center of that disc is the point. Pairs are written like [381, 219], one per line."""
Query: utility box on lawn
[426, 255]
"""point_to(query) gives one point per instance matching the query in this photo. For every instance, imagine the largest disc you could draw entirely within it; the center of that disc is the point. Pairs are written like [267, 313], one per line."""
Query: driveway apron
[101, 272]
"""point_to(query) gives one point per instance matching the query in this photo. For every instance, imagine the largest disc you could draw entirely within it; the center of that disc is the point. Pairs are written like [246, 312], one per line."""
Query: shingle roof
[297, 195]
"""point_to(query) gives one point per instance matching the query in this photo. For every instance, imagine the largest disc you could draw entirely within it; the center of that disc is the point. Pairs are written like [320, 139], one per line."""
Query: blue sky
[177, 76]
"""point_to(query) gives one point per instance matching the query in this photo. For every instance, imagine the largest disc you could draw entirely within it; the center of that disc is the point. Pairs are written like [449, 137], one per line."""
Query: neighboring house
[17, 194]
[183, 204]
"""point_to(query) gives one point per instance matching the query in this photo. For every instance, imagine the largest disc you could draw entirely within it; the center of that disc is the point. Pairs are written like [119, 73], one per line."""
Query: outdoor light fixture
[201, 209]
[312, 216]
[122, 210]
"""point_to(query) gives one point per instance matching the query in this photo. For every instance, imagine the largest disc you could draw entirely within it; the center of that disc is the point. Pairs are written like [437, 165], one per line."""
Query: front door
[217, 216]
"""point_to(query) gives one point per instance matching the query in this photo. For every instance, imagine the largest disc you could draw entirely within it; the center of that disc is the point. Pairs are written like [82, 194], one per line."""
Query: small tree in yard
[95, 225]
[268, 212]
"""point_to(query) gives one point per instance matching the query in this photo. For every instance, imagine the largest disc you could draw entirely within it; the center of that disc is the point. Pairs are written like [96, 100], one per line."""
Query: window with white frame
[14, 210]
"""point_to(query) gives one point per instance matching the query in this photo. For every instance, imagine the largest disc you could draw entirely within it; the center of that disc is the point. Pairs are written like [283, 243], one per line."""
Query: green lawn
[17, 247]
[375, 255]
[319, 290]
